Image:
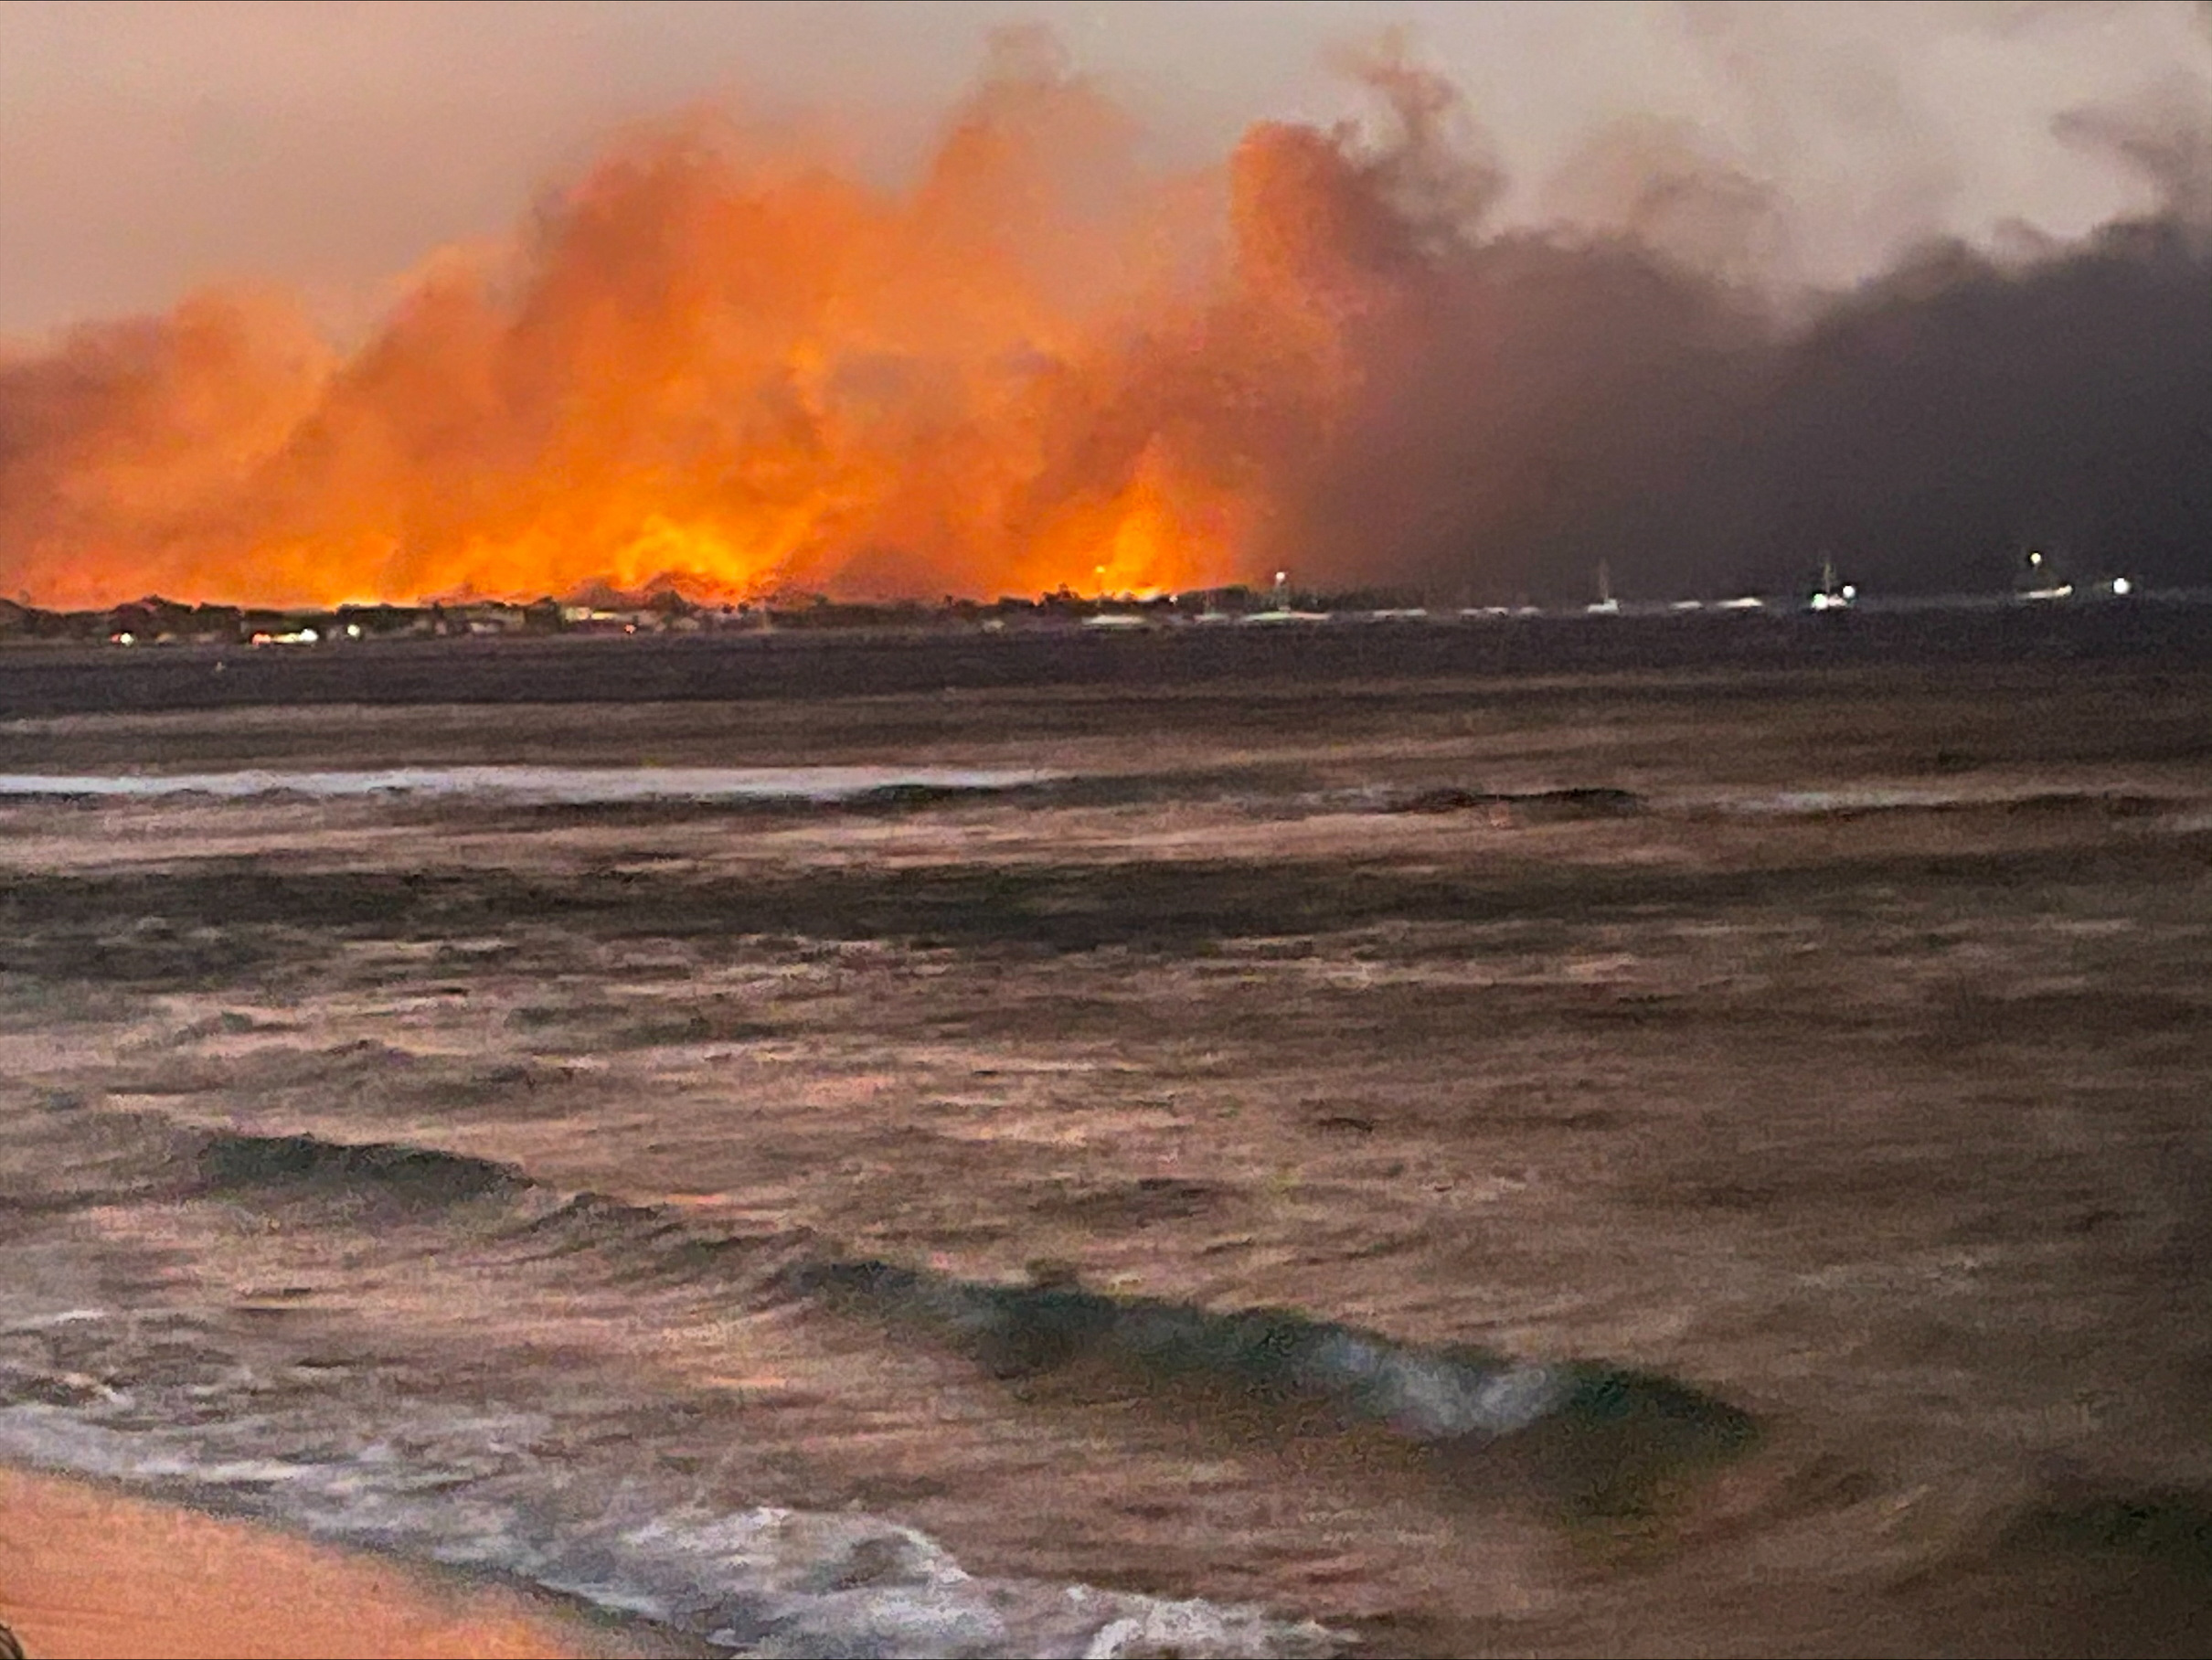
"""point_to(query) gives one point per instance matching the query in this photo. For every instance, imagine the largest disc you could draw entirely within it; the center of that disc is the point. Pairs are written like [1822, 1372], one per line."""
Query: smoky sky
[148, 149]
[1709, 292]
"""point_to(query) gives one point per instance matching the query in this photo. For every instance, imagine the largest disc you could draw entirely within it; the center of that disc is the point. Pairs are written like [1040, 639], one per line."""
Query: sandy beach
[85, 1571]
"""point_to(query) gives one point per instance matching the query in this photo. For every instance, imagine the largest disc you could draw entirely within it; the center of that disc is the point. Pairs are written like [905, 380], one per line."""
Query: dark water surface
[1704, 1162]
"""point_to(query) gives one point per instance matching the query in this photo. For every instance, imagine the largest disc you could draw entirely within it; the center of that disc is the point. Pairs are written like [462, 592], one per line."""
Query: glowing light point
[2123, 587]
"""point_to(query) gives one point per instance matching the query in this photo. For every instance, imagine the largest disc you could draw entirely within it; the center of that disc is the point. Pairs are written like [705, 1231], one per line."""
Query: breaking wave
[558, 786]
[1428, 1395]
[766, 1582]
[1854, 801]
[1456, 1395]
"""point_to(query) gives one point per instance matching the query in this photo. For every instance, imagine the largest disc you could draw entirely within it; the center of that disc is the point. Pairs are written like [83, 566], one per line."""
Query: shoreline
[88, 1569]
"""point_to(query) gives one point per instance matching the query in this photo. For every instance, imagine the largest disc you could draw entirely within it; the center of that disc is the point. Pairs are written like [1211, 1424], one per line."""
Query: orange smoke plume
[736, 372]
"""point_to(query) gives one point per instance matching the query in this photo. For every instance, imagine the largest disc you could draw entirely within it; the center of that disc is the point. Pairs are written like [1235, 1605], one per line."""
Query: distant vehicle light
[2123, 587]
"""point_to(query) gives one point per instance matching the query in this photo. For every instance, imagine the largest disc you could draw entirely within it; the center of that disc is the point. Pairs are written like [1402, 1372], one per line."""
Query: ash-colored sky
[148, 149]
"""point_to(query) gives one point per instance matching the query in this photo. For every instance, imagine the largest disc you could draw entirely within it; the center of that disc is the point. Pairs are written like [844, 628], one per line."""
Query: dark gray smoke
[1534, 402]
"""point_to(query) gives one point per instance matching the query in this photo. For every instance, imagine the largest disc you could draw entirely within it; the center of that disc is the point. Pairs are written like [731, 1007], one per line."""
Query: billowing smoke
[732, 368]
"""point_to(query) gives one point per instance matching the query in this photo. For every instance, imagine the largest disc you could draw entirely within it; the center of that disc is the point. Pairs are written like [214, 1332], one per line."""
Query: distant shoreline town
[154, 621]
[161, 622]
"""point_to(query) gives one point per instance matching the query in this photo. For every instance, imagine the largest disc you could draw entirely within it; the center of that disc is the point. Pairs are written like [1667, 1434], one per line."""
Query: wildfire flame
[733, 371]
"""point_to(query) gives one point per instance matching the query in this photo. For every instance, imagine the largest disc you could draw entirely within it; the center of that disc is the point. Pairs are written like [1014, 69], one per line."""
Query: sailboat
[1831, 595]
[2039, 580]
[1605, 605]
[1282, 609]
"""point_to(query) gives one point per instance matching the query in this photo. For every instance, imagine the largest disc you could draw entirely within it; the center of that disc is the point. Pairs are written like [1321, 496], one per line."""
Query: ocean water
[1198, 1184]
[588, 1488]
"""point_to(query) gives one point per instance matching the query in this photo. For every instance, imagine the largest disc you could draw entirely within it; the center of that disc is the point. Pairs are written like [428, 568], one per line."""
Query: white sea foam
[1429, 1398]
[543, 785]
[67, 1316]
[764, 1582]
[1793, 803]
